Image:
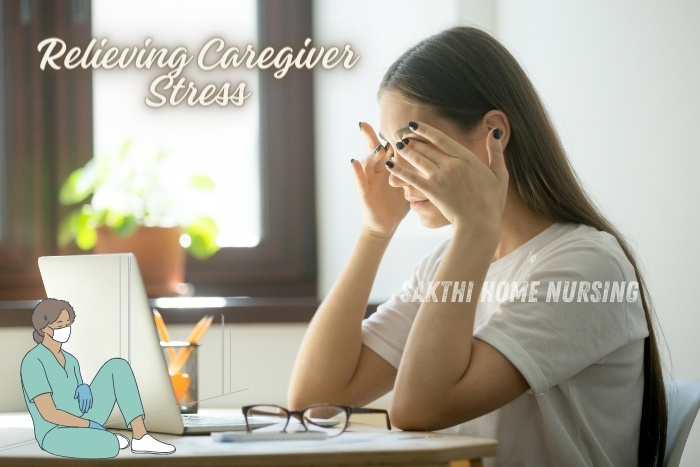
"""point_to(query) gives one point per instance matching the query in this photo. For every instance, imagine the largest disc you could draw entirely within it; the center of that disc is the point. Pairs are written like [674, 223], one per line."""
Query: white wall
[620, 79]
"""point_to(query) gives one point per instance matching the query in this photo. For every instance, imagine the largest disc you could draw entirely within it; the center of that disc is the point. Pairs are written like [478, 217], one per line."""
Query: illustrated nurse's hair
[461, 74]
[46, 312]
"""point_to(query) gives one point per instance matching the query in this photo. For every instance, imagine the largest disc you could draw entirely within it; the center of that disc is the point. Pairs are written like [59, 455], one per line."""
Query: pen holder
[183, 368]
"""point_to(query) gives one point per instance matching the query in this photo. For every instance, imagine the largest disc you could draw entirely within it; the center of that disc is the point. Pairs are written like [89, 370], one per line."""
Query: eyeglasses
[330, 419]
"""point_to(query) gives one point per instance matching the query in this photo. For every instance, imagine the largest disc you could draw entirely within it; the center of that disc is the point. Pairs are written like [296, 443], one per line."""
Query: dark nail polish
[399, 145]
[378, 148]
[390, 164]
[405, 141]
[360, 126]
[413, 126]
[497, 133]
[386, 146]
[352, 160]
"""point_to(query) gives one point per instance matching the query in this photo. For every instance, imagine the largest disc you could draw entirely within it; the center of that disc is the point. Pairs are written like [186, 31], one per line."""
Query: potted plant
[140, 202]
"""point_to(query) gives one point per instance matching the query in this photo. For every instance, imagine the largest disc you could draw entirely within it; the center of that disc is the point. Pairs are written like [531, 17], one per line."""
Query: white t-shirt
[583, 357]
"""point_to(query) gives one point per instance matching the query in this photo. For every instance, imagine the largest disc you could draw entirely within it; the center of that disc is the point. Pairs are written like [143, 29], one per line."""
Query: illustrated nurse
[68, 414]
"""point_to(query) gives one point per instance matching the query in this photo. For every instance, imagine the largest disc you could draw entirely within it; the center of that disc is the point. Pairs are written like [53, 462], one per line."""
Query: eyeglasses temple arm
[366, 410]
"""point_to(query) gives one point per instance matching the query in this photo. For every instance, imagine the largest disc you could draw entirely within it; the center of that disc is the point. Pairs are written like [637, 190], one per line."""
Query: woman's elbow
[296, 395]
[409, 412]
[304, 394]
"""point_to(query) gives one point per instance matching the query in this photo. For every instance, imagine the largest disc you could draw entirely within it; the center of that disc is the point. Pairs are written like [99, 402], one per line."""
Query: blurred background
[618, 77]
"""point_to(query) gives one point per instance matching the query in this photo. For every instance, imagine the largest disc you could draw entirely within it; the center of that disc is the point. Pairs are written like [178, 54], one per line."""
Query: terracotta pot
[158, 251]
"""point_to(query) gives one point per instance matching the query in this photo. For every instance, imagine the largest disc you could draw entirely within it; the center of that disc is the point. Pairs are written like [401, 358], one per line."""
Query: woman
[567, 382]
[69, 415]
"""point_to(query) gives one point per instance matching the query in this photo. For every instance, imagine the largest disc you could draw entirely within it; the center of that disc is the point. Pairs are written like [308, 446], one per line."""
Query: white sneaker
[149, 445]
[123, 440]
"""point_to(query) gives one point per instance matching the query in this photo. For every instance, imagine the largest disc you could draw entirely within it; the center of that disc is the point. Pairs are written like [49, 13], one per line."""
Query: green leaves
[79, 226]
[79, 185]
[123, 225]
[202, 232]
[127, 189]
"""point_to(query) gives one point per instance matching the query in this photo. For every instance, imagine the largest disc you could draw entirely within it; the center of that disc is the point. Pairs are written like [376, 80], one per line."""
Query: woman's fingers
[444, 143]
[426, 159]
[449, 173]
[369, 134]
[420, 155]
[382, 205]
[359, 172]
[371, 164]
[409, 176]
[377, 150]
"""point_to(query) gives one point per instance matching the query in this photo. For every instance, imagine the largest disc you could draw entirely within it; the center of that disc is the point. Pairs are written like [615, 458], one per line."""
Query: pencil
[197, 336]
[192, 338]
[163, 333]
[197, 333]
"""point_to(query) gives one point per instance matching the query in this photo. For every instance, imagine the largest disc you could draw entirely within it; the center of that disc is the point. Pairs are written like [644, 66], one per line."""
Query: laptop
[114, 319]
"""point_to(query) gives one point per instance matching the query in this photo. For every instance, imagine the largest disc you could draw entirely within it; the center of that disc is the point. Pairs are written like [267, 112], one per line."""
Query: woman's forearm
[438, 350]
[331, 348]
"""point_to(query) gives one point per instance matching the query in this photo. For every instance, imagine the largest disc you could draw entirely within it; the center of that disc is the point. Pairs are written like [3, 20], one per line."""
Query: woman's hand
[383, 206]
[466, 191]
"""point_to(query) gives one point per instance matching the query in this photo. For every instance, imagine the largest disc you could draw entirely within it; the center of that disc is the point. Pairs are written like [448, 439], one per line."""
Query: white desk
[363, 445]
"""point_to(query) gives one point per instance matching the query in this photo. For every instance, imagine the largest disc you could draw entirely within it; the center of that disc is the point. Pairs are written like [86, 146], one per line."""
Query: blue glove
[95, 425]
[84, 396]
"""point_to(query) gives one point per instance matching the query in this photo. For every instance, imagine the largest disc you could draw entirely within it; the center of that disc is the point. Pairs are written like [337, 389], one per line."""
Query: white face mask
[62, 334]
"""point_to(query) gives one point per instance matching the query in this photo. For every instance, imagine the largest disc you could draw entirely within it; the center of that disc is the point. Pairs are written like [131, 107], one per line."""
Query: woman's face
[394, 114]
[62, 321]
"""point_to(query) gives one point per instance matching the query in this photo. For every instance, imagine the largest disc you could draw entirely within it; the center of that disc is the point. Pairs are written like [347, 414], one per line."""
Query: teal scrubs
[41, 373]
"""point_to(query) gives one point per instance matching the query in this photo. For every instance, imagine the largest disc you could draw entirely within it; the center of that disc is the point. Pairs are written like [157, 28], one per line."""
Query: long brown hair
[461, 74]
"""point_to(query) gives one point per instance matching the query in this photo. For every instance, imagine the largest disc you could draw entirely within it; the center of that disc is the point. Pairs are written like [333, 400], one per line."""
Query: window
[284, 262]
[49, 133]
[221, 142]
